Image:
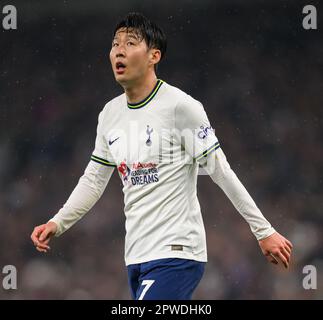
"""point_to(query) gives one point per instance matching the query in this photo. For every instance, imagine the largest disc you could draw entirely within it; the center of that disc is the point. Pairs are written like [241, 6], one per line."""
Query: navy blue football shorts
[165, 279]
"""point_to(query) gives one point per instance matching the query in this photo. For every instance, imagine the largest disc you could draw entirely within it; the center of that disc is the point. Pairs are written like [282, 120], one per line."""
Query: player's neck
[140, 89]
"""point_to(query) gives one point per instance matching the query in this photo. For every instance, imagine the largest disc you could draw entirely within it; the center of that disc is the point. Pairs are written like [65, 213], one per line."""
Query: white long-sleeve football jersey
[157, 146]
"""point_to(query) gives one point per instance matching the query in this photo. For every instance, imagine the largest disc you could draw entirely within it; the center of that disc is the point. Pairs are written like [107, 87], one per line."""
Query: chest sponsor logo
[124, 172]
[138, 173]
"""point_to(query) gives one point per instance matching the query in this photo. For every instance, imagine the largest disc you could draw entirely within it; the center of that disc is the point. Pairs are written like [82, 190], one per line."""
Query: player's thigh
[173, 279]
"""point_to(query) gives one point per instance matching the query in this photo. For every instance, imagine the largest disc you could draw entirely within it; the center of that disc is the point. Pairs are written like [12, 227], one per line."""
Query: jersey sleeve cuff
[260, 235]
[59, 230]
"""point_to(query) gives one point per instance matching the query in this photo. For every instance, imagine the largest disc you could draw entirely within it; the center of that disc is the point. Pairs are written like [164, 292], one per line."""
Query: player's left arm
[201, 143]
[273, 245]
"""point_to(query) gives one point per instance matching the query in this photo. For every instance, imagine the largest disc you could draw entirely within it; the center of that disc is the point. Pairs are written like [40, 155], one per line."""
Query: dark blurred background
[258, 74]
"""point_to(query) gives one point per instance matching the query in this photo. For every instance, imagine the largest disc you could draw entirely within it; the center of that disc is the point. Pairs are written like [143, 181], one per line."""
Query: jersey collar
[145, 101]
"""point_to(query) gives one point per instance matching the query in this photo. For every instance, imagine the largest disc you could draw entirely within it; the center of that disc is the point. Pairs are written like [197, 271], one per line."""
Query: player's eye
[114, 44]
[130, 43]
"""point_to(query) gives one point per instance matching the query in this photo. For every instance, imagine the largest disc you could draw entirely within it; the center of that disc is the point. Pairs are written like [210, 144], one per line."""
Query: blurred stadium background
[258, 74]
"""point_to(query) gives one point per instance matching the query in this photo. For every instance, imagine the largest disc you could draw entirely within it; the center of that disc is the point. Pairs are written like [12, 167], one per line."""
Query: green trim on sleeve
[102, 161]
[208, 151]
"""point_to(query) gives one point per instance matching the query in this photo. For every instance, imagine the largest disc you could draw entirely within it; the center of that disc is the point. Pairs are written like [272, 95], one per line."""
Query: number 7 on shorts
[147, 284]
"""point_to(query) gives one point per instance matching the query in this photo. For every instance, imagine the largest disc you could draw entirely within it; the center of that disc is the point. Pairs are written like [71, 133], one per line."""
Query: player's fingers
[285, 253]
[288, 249]
[282, 258]
[274, 261]
[42, 246]
[46, 241]
[40, 249]
[43, 236]
[289, 244]
[40, 229]
[34, 239]
[36, 232]
[271, 258]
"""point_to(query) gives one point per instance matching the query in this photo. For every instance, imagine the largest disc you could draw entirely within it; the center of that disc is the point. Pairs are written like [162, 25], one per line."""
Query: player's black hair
[147, 30]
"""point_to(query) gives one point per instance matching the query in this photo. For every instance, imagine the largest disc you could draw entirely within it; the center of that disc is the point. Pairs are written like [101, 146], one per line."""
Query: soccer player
[157, 137]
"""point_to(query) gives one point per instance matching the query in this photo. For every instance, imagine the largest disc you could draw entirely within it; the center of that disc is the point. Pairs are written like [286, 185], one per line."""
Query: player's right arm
[86, 193]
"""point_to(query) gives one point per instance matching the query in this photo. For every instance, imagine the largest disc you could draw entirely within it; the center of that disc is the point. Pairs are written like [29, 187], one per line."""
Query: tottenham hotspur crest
[149, 131]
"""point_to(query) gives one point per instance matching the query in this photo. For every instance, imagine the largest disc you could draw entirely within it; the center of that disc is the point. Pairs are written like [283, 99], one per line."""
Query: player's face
[130, 57]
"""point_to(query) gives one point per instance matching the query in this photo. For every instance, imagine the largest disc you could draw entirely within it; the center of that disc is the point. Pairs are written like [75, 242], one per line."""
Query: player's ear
[155, 56]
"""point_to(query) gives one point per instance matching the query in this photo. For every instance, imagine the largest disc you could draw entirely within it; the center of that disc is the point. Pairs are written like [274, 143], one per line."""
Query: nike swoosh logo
[111, 141]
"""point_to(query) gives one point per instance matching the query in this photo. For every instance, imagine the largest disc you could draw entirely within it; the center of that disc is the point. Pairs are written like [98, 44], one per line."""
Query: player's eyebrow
[129, 35]
[132, 35]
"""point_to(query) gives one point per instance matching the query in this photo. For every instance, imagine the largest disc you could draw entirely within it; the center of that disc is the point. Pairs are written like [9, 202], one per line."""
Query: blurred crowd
[258, 77]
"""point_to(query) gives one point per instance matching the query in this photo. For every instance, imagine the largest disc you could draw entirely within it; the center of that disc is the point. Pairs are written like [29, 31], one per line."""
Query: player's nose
[120, 51]
[120, 54]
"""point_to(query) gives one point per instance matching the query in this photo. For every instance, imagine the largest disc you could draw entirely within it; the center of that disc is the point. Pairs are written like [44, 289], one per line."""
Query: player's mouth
[120, 67]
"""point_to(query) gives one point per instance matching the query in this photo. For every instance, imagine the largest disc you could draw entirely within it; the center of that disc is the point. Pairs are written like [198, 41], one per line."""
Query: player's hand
[276, 248]
[42, 234]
